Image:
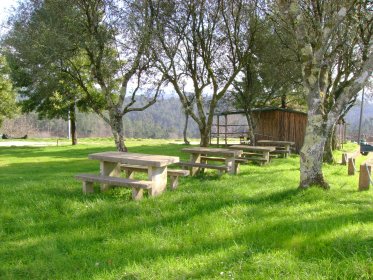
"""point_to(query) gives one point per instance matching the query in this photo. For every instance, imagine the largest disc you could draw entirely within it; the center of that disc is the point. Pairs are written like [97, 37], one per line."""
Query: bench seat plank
[203, 165]
[140, 168]
[116, 181]
[239, 159]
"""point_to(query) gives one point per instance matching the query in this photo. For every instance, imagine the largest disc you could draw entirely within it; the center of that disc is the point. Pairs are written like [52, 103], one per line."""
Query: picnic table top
[274, 142]
[213, 151]
[135, 158]
[254, 148]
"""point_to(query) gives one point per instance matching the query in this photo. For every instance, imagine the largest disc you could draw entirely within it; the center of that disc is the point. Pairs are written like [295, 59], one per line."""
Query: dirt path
[15, 143]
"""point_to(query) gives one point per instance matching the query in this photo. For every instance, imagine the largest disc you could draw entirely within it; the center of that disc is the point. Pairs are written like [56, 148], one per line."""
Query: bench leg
[130, 174]
[137, 194]
[174, 180]
[109, 169]
[195, 158]
[87, 187]
[237, 167]
[266, 157]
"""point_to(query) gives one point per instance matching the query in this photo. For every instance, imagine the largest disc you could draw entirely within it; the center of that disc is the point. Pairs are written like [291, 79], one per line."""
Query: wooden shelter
[270, 124]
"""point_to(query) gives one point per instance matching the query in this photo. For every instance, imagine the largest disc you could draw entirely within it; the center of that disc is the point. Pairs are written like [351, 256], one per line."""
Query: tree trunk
[116, 123]
[186, 129]
[250, 124]
[205, 139]
[328, 149]
[311, 154]
[74, 137]
[284, 101]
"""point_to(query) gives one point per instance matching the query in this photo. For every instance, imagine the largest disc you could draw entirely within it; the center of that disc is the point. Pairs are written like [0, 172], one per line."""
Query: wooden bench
[282, 147]
[174, 174]
[256, 157]
[221, 159]
[220, 168]
[137, 185]
[278, 152]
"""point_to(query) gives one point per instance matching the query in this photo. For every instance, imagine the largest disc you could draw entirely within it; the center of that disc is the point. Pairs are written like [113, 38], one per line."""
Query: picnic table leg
[232, 165]
[266, 157]
[287, 148]
[195, 158]
[158, 176]
[109, 169]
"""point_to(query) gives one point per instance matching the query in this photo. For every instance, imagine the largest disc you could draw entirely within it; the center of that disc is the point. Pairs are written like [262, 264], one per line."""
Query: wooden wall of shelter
[281, 124]
[271, 124]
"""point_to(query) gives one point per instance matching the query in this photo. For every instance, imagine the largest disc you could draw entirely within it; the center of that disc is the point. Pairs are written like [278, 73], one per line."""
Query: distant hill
[353, 117]
[165, 119]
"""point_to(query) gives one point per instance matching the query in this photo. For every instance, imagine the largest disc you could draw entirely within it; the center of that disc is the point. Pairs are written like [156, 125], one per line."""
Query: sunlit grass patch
[255, 225]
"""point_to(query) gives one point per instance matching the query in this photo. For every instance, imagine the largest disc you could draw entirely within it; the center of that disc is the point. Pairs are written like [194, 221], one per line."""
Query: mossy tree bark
[116, 124]
[330, 146]
[251, 126]
[331, 79]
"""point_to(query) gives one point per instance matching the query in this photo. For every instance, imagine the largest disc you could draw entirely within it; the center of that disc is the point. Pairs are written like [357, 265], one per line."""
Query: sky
[5, 5]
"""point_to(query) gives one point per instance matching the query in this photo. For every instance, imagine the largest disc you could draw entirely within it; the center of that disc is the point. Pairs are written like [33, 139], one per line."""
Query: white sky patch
[5, 9]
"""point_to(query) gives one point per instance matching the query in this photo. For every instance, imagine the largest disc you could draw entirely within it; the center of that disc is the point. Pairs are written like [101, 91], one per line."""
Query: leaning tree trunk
[329, 146]
[116, 123]
[186, 129]
[74, 138]
[250, 124]
[311, 154]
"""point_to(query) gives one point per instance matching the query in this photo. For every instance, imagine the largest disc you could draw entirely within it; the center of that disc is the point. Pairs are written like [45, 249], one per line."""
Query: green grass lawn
[255, 225]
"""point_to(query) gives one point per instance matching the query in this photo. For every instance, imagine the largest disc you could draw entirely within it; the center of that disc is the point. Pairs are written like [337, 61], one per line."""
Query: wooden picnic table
[282, 147]
[157, 167]
[252, 152]
[199, 155]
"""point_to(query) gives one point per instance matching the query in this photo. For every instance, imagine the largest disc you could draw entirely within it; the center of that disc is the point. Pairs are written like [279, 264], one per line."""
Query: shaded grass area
[255, 225]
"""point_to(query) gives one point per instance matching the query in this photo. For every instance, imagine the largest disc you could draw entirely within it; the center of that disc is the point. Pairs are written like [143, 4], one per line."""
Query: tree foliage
[8, 105]
[270, 76]
[201, 47]
[95, 52]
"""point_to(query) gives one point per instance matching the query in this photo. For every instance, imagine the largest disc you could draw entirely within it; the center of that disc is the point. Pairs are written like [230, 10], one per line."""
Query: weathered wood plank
[203, 165]
[115, 181]
[135, 158]
[213, 151]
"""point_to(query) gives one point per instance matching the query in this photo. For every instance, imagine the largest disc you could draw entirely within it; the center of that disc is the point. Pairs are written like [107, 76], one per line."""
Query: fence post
[364, 180]
[344, 157]
[351, 166]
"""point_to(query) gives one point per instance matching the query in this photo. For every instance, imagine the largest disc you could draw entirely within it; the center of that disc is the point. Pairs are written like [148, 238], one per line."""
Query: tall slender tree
[203, 44]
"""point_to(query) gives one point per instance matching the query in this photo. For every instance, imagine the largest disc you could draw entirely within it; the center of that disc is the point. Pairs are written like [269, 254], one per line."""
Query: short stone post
[344, 157]
[364, 180]
[351, 166]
